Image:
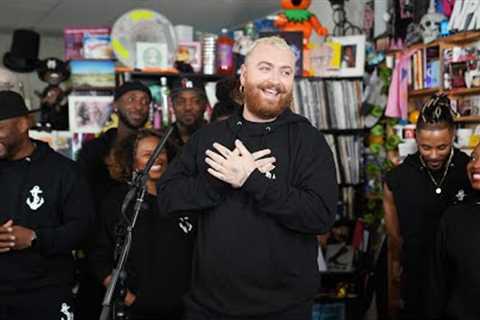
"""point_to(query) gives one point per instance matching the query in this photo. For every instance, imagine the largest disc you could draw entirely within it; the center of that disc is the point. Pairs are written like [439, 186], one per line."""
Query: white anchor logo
[66, 311]
[37, 201]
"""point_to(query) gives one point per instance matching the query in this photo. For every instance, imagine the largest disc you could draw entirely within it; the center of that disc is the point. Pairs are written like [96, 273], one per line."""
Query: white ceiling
[50, 17]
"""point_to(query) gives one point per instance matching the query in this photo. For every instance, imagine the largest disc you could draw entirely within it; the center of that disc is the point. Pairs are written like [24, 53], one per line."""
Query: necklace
[438, 186]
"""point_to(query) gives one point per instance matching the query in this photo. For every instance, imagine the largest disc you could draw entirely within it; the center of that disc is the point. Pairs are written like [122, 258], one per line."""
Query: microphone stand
[137, 188]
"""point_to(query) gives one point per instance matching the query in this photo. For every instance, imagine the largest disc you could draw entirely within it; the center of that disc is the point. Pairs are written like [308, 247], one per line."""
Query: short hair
[272, 41]
[121, 159]
[437, 113]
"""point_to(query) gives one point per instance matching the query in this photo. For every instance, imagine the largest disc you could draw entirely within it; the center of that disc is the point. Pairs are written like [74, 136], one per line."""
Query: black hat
[23, 54]
[183, 84]
[12, 105]
[131, 86]
[53, 71]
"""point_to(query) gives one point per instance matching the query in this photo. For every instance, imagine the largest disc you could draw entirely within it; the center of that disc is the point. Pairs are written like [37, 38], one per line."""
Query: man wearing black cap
[46, 211]
[131, 104]
[189, 103]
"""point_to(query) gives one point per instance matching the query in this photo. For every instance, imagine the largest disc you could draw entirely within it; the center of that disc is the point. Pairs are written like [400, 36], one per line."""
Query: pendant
[438, 190]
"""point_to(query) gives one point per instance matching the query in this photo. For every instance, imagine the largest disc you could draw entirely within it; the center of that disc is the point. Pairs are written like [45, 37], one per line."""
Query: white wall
[49, 47]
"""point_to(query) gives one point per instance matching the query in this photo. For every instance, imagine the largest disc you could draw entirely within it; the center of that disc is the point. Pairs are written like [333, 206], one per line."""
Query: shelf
[423, 92]
[463, 91]
[468, 119]
[462, 37]
[452, 92]
[168, 74]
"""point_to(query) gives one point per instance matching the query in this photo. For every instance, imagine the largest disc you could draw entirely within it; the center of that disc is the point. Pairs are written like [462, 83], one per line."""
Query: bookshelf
[333, 106]
[446, 69]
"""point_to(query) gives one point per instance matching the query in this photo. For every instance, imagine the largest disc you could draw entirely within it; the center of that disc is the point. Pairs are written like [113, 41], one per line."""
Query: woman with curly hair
[159, 264]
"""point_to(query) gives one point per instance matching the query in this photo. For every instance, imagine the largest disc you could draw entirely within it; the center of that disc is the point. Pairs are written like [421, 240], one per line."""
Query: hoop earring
[242, 88]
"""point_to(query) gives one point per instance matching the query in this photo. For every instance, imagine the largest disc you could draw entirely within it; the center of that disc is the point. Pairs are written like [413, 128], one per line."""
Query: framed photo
[92, 73]
[151, 55]
[191, 53]
[295, 40]
[89, 113]
[351, 55]
[60, 141]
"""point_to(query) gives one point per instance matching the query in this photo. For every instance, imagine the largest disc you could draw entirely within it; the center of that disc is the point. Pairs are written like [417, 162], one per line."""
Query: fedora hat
[23, 54]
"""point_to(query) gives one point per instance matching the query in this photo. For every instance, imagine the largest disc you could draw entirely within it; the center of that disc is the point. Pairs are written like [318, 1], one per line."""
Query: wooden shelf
[423, 92]
[463, 91]
[462, 37]
[468, 119]
[452, 92]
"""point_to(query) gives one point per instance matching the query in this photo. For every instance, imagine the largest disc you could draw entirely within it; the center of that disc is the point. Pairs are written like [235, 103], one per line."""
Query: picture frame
[92, 74]
[89, 114]
[352, 58]
[191, 53]
[151, 55]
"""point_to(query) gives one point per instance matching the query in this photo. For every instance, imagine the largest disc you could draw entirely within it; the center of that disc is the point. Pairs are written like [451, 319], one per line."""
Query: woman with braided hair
[417, 192]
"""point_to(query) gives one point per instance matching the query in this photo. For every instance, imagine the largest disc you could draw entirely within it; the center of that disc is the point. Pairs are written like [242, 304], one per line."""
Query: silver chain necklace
[438, 186]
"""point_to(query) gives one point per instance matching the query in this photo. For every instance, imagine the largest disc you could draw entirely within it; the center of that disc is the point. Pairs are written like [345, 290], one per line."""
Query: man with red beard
[263, 185]
[131, 104]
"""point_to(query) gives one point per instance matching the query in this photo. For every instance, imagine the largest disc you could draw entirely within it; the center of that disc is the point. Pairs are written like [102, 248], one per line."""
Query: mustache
[270, 85]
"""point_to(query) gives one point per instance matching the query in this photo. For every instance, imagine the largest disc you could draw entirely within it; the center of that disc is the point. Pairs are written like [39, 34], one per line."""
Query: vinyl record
[141, 25]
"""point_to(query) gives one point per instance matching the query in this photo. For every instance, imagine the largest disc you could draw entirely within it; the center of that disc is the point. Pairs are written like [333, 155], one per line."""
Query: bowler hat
[23, 54]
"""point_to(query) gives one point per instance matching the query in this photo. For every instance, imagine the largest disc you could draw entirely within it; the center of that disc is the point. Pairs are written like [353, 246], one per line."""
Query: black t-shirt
[419, 207]
[419, 210]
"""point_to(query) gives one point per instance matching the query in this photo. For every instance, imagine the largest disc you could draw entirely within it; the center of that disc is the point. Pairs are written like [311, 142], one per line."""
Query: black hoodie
[256, 246]
[44, 192]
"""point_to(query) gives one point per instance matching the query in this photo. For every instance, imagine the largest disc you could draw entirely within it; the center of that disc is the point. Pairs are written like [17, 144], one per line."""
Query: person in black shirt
[131, 104]
[417, 192]
[455, 270]
[46, 212]
[262, 184]
[189, 102]
[159, 264]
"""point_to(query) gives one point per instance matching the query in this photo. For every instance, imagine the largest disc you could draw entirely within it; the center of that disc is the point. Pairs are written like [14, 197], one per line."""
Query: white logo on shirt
[37, 201]
[66, 311]
[270, 175]
[460, 195]
[185, 224]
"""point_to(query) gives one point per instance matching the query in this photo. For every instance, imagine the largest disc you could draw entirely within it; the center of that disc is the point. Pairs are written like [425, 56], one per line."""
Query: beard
[128, 123]
[263, 108]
